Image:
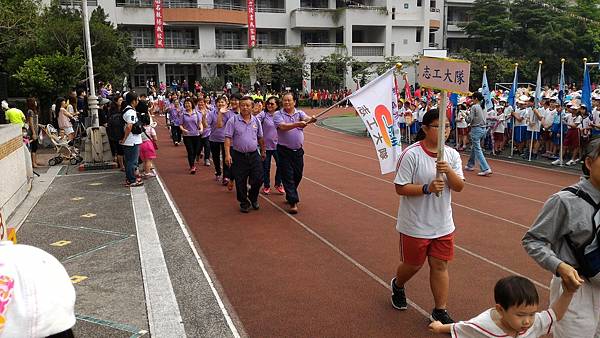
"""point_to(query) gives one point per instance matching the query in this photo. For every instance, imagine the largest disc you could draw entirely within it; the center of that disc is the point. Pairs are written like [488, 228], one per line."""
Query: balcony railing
[231, 46]
[457, 22]
[73, 3]
[367, 50]
[270, 10]
[167, 45]
[322, 44]
[434, 45]
[434, 10]
[172, 4]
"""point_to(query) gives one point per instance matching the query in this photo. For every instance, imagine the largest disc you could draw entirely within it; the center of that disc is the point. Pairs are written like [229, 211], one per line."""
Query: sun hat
[37, 297]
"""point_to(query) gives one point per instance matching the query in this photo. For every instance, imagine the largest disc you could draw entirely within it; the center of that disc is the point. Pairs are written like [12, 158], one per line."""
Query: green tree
[388, 62]
[330, 71]
[240, 73]
[18, 22]
[490, 23]
[264, 71]
[290, 68]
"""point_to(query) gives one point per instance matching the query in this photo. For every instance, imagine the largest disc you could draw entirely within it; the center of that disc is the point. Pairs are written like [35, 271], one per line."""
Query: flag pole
[441, 131]
[491, 128]
[537, 103]
[562, 104]
[332, 106]
[512, 134]
[398, 71]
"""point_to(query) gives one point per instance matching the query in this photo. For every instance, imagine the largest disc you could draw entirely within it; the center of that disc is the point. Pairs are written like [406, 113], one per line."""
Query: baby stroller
[64, 148]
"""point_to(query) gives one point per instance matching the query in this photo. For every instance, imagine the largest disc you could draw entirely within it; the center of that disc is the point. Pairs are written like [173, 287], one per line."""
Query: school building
[204, 37]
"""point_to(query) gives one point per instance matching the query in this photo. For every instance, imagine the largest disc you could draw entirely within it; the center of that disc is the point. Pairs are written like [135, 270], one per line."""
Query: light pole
[92, 99]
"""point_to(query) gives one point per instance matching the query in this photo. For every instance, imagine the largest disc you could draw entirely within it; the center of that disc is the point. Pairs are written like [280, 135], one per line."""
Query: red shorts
[464, 131]
[414, 251]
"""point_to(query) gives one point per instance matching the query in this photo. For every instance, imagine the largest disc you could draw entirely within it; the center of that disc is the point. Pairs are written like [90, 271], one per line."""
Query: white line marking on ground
[488, 159]
[386, 181]
[343, 254]
[500, 266]
[164, 318]
[102, 172]
[466, 182]
[183, 227]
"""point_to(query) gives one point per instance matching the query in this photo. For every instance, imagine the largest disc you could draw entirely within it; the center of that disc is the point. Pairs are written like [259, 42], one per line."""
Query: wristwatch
[425, 189]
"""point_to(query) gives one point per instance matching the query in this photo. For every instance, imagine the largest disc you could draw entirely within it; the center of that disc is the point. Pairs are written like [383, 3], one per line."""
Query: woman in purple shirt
[175, 118]
[205, 110]
[217, 120]
[270, 138]
[192, 126]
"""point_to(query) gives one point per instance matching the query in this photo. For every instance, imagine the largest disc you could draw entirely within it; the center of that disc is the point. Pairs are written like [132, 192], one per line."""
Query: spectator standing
[477, 120]
[131, 140]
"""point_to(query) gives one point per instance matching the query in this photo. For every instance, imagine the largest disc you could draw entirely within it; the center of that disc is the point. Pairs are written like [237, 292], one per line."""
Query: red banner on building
[251, 23]
[159, 30]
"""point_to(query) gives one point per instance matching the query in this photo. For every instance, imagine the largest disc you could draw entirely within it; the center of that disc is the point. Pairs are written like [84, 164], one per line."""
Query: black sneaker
[245, 209]
[441, 315]
[255, 205]
[398, 296]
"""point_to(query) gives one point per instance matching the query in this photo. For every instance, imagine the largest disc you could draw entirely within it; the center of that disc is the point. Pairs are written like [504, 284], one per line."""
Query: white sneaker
[468, 168]
[207, 163]
[571, 162]
[485, 173]
[556, 162]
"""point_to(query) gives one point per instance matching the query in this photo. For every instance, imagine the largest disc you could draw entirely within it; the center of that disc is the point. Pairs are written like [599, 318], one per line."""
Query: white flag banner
[376, 104]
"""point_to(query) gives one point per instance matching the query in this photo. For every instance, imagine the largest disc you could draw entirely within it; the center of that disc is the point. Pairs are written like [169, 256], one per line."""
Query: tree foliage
[48, 74]
[290, 66]
[530, 30]
[330, 71]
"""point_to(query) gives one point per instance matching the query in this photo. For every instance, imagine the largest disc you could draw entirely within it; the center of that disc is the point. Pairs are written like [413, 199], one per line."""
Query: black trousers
[246, 169]
[292, 165]
[175, 133]
[217, 150]
[192, 145]
[205, 147]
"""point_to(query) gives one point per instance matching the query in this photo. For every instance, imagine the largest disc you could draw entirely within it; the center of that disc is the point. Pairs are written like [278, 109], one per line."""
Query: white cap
[41, 295]
[4, 105]
[523, 99]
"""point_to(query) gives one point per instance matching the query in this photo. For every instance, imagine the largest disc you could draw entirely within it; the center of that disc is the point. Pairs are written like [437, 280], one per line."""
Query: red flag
[407, 93]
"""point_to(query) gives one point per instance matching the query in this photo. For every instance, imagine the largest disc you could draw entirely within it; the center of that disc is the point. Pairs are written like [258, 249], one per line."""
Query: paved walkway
[135, 273]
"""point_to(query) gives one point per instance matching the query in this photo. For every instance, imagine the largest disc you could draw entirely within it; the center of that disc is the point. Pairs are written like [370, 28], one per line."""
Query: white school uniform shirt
[549, 118]
[585, 126]
[484, 326]
[420, 114]
[461, 119]
[533, 123]
[576, 120]
[596, 116]
[500, 122]
[401, 118]
[521, 113]
[425, 216]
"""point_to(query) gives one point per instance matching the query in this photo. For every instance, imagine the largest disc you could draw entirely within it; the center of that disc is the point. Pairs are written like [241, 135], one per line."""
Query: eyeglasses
[446, 126]
[271, 103]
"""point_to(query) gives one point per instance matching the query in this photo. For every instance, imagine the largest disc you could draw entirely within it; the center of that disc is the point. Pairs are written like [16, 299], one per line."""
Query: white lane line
[466, 182]
[103, 172]
[186, 233]
[345, 255]
[469, 252]
[386, 181]
[488, 159]
[164, 318]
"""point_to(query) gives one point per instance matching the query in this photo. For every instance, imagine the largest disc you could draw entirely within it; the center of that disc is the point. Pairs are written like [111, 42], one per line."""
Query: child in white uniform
[515, 314]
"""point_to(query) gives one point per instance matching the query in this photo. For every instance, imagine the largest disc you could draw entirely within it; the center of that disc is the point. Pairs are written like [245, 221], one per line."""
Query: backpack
[116, 127]
[137, 128]
[587, 254]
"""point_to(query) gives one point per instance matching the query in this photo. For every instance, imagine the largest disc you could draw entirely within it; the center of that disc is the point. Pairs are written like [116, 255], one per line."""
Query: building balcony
[373, 52]
[190, 56]
[366, 16]
[434, 25]
[315, 18]
[316, 51]
[208, 14]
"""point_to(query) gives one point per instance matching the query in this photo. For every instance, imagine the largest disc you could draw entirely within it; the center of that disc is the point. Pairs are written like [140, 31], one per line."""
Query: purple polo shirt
[175, 116]
[269, 130]
[293, 138]
[191, 122]
[244, 136]
[218, 134]
[206, 132]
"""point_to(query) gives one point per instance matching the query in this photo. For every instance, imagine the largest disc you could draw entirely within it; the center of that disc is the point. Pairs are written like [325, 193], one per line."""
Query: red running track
[325, 272]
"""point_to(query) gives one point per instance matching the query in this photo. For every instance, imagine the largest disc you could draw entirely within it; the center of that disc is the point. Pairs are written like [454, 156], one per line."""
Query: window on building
[419, 33]
[275, 37]
[230, 4]
[270, 6]
[405, 6]
[393, 13]
[314, 3]
[144, 72]
[432, 4]
[393, 49]
[419, 3]
[229, 39]
[73, 3]
[314, 37]
[142, 37]
[134, 3]
[180, 38]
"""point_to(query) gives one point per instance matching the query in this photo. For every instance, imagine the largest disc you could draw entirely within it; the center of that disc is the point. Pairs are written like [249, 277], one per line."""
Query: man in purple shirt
[290, 124]
[243, 133]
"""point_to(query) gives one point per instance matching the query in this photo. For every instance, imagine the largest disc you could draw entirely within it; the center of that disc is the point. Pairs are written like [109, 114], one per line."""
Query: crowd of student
[532, 131]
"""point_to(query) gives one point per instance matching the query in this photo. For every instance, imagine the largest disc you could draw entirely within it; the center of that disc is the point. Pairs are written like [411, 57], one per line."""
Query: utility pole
[92, 99]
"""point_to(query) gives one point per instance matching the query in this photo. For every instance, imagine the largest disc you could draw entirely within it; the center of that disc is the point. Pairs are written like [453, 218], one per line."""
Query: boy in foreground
[515, 314]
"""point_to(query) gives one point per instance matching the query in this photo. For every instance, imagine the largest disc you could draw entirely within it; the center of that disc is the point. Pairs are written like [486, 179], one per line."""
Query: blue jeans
[131, 155]
[267, 169]
[477, 133]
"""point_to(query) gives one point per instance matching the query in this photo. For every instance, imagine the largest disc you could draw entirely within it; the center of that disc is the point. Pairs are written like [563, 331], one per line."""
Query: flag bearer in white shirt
[425, 220]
